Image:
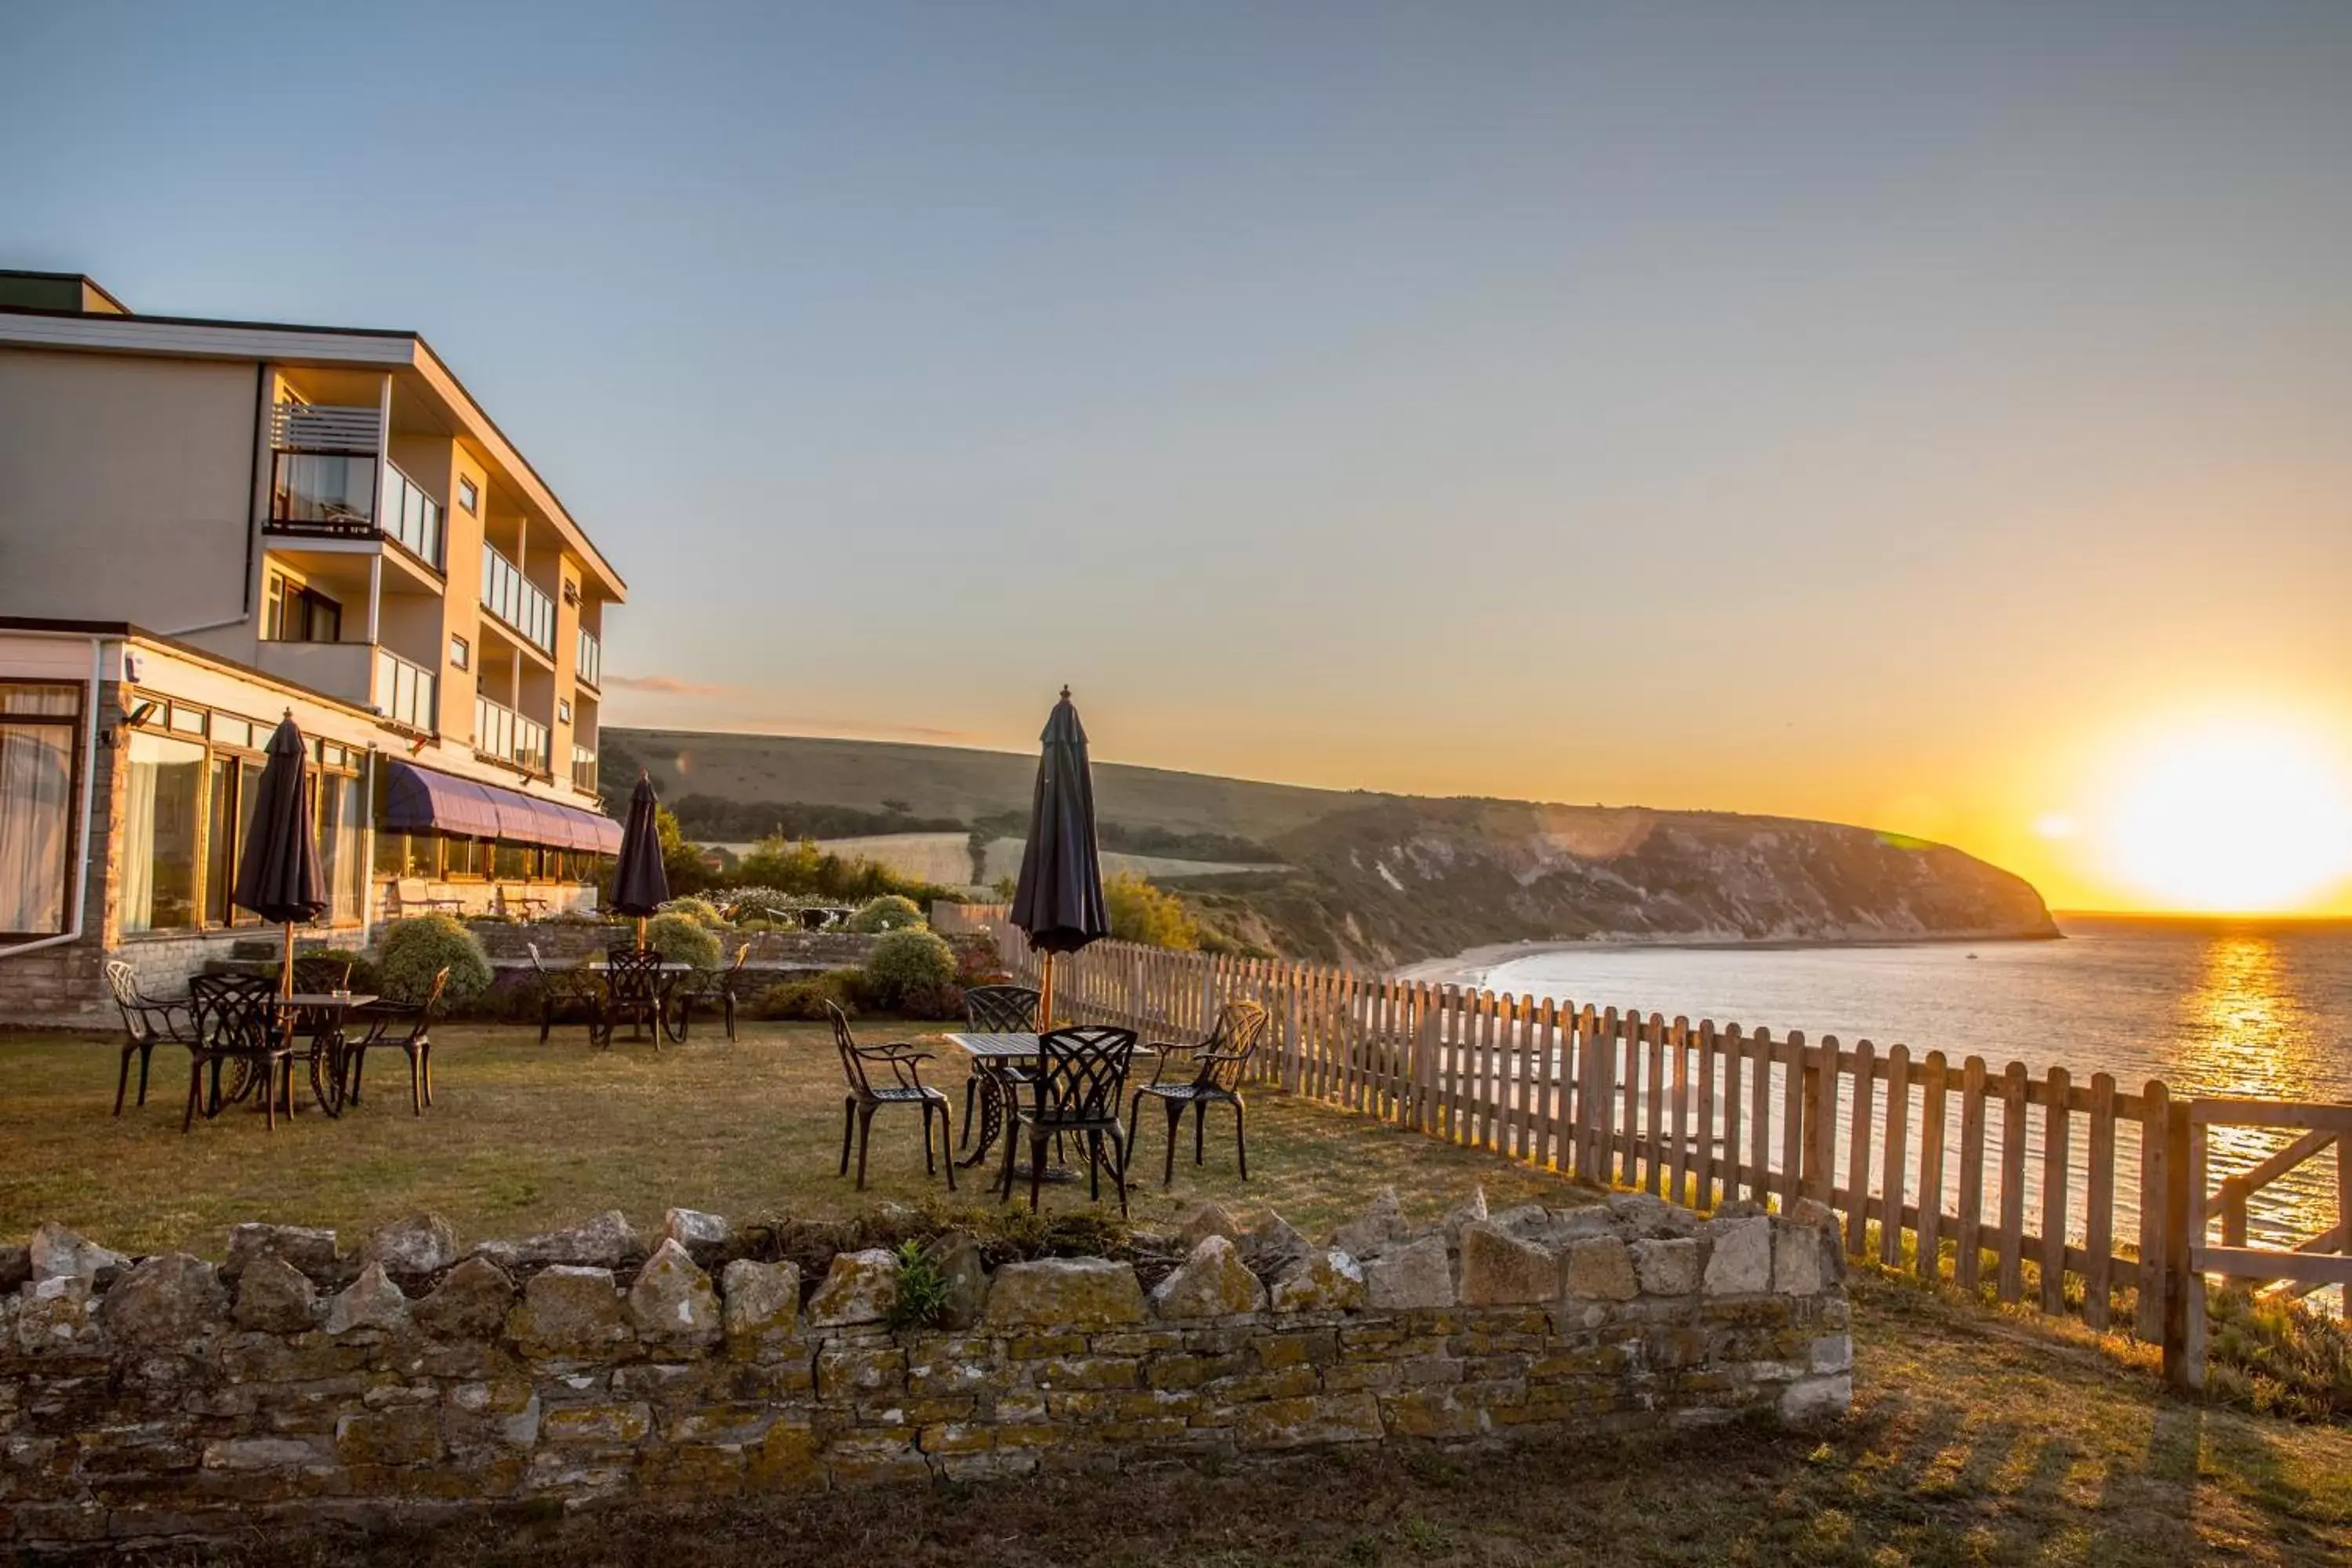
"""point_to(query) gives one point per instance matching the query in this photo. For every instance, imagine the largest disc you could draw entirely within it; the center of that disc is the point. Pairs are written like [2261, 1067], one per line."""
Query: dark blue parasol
[1058, 900]
[640, 881]
[278, 877]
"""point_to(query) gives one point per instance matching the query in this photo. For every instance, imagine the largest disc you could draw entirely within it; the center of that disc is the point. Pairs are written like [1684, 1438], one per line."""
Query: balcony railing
[408, 693]
[589, 668]
[499, 731]
[583, 769]
[517, 601]
[411, 516]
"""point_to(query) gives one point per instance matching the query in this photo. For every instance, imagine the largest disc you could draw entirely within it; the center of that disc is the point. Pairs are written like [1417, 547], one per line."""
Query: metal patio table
[1015, 1048]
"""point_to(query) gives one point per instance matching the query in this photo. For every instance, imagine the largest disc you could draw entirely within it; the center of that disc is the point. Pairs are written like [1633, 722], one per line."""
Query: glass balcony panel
[331, 491]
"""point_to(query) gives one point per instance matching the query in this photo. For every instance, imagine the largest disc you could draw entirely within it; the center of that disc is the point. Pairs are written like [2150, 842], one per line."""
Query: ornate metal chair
[319, 974]
[995, 1010]
[560, 991]
[633, 992]
[725, 986]
[866, 1097]
[146, 1023]
[238, 1025]
[1081, 1083]
[407, 1029]
[1218, 1063]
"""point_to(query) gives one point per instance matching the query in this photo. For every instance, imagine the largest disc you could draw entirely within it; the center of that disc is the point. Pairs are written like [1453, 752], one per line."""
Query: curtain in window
[35, 817]
[136, 900]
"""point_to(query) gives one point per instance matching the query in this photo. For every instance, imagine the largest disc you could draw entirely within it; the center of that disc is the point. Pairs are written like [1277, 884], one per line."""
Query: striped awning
[426, 800]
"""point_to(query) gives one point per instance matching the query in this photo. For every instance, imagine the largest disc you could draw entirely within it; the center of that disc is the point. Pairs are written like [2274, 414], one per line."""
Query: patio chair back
[234, 1014]
[633, 976]
[852, 1066]
[123, 981]
[1225, 1056]
[1082, 1074]
[1001, 1009]
[319, 972]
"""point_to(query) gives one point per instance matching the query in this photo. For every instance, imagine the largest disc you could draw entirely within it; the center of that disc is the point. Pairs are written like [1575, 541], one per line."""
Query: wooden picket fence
[2088, 1199]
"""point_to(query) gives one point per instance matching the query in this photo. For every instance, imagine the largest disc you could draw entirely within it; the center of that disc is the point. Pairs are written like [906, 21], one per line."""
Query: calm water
[2211, 1008]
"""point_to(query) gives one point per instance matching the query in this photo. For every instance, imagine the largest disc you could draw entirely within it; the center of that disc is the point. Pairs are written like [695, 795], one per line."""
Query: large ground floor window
[38, 727]
[449, 857]
[191, 783]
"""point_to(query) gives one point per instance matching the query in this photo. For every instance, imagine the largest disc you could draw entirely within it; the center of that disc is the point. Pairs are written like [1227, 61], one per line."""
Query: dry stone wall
[300, 1382]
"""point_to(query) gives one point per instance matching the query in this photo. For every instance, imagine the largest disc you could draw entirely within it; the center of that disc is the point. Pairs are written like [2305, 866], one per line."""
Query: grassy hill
[1373, 879]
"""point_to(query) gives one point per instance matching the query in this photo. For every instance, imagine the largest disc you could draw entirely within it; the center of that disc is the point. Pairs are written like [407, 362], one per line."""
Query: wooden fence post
[2155, 1220]
[2184, 1296]
[1932, 1091]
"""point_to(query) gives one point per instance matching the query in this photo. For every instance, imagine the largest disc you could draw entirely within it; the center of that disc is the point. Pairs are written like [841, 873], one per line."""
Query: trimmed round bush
[888, 912]
[682, 938]
[701, 911]
[765, 903]
[415, 950]
[908, 964]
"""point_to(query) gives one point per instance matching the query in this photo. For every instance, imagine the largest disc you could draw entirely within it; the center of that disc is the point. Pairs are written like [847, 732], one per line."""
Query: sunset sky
[1934, 418]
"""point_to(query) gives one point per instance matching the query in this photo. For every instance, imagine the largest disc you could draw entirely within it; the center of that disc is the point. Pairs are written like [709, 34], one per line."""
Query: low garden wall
[298, 1383]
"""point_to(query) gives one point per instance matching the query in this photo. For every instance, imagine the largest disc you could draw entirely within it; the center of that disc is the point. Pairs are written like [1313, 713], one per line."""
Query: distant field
[1004, 860]
[946, 859]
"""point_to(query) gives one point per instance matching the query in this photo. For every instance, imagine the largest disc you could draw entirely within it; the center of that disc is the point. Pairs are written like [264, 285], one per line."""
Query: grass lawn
[1978, 1437]
[524, 1138]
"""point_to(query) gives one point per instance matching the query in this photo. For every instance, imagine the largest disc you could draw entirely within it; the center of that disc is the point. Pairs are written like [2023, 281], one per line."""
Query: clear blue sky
[1840, 410]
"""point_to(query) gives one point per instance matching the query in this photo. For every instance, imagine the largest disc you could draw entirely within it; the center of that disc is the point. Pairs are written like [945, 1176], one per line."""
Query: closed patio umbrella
[278, 877]
[1058, 900]
[640, 882]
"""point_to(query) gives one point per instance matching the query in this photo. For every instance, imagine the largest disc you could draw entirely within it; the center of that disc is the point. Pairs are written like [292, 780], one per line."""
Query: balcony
[521, 605]
[504, 735]
[336, 669]
[589, 670]
[331, 494]
[584, 770]
[408, 694]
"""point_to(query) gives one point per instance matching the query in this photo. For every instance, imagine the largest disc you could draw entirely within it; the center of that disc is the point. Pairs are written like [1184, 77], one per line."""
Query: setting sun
[2234, 816]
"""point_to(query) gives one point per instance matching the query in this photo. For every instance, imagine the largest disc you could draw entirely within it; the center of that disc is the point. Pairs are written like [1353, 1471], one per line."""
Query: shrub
[364, 977]
[804, 1000]
[932, 1003]
[766, 903]
[888, 912]
[682, 938]
[977, 963]
[907, 964]
[414, 950]
[701, 911]
[1141, 912]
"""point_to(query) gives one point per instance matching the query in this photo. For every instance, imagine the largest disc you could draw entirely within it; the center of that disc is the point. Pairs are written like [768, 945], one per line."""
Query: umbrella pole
[285, 970]
[641, 933]
[1045, 995]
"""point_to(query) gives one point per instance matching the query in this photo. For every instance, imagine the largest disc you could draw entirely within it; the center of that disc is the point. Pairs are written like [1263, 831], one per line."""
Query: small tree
[1142, 913]
[412, 950]
[908, 964]
[888, 912]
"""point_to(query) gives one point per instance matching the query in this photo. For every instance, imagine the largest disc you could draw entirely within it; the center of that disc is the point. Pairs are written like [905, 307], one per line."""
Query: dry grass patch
[526, 1137]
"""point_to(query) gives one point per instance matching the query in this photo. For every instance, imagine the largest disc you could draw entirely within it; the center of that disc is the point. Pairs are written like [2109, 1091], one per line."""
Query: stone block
[1500, 1270]
[672, 1301]
[370, 1301]
[1811, 1399]
[273, 1296]
[704, 1235]
[1416, 1277]
[955, 1254]
[604, 1424]
[1208, 1219]
[304, 1247]
[1807, 1259]
[1666, 1266]
[608, 1241]
[421, 1243]
[57, 1253]
[760, 1309]
[859, 1288]
[1324, 1281]
[1080, 1293]
[169, 1304]
[568, 1310]
[1273, 1244]
[471, 1303]
[1739, 1258]
[1213, 1282]
[1470, 1211]
[1381, 1226]
[16, 1267]
[403, 1436]
[1599, 1267]
[1643, 1215]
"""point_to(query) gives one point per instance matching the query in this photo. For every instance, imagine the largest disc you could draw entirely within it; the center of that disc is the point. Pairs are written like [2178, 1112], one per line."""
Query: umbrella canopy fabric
[278, 877]
[640, 884]
[1059, 898]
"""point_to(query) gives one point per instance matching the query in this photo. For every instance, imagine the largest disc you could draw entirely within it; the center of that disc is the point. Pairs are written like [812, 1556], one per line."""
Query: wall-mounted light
[131, 718]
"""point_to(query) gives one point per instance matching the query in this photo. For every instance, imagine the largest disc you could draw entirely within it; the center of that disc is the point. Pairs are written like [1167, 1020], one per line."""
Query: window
[163, 788]
[37, 727]
[292, 613]
[340, 820]
[469, 499]
[563, 710]
[461, 652]
[332, 491]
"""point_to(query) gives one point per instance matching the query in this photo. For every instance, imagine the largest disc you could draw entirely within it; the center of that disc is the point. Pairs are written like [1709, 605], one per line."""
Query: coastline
[1470, 967]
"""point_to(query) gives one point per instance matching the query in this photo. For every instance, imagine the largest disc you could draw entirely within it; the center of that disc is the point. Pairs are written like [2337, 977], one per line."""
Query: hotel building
[205, 525]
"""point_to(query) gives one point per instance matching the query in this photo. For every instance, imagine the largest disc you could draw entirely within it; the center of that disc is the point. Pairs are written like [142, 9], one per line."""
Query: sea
[2259, 1008]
